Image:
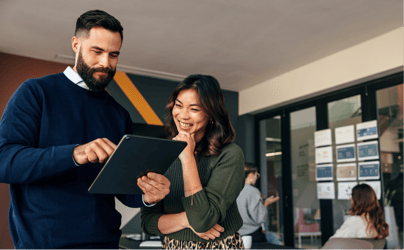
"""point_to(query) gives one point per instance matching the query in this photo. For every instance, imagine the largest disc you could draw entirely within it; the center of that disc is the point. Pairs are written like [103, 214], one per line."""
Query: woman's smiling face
[188, 114]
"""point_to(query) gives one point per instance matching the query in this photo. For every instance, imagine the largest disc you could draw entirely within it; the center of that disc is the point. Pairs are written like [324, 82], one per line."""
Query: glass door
[343, 113]
[307, 214]
[271, 181]
[390, 117]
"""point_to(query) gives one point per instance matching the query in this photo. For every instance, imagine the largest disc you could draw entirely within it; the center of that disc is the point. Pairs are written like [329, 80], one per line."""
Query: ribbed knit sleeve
[150, 216]
[210, 205]
[21, 161]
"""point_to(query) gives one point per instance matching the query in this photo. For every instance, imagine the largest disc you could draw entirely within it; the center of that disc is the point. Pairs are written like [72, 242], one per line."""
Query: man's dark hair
[97, 18]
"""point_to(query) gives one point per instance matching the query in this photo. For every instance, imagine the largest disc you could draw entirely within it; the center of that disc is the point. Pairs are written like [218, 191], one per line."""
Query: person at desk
[55, 134]
[253, 209]
[367, 217]
[201, 211]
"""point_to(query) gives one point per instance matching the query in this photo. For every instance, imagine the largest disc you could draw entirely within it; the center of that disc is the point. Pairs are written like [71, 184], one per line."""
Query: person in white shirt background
[367, 217]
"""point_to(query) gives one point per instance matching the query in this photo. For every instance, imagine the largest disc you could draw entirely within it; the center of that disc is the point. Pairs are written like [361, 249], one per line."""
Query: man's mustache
[102, 70]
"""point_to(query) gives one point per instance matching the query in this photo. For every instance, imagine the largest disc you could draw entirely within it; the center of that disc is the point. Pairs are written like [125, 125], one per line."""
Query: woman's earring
[211, 122]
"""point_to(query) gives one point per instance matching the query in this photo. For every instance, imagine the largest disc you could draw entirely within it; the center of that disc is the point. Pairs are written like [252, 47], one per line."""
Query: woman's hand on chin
[190, 148]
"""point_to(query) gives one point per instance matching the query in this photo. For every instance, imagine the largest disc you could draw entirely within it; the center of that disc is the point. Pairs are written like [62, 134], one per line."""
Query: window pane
[390, 116]
[342, 113]
[271, 183]
[307, 212]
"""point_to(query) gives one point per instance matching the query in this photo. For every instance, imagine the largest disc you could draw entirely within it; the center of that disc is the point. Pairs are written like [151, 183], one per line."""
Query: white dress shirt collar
[74, 77]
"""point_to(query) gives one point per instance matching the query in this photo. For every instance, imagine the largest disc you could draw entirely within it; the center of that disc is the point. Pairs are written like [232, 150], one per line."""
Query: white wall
[127, 213]
[375, 56]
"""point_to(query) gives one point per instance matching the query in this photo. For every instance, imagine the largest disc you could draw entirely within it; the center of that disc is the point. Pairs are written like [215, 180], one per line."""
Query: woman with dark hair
[253, 209]
[367, 220]
[200, 211]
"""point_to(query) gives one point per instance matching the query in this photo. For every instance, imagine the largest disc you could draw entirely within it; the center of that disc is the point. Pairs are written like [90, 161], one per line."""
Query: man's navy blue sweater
[50, 206]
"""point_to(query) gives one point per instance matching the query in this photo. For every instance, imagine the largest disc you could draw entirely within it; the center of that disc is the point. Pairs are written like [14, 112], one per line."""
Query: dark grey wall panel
[231, 103]
[117, 93]
[155, 91]
[245, 136]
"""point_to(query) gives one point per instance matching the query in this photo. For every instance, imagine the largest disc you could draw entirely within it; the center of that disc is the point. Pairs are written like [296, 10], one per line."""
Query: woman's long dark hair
[219, 130]
[365, 203]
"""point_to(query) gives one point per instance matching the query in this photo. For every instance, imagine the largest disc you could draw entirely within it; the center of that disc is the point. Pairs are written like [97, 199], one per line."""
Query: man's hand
[98, 150]
[155, 187]
[270, 200]
[211, 234]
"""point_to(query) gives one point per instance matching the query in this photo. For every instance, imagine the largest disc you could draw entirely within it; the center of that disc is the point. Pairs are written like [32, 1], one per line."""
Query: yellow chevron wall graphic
[137, 99]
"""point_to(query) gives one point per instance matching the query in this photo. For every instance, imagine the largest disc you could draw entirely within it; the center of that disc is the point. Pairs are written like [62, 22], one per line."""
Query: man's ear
[76, 44]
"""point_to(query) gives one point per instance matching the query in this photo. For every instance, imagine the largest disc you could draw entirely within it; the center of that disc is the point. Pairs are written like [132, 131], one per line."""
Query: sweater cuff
[78, 165]
[68, 149]
[145, 204]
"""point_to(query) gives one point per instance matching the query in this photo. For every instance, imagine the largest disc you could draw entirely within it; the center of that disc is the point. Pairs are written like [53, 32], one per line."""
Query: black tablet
[135, 156]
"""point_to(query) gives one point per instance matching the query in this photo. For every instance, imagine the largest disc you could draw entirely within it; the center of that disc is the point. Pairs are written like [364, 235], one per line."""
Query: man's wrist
[78, 165]
[146, 204]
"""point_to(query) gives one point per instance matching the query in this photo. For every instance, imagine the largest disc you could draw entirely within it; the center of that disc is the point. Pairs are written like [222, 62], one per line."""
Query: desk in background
[125, 243]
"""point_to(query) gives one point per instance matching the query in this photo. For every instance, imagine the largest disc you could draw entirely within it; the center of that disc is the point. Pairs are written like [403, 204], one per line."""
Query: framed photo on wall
[368, 151]
[369, 170]
[346, 153]
[324, 172]
[366, 130]
[346, 172]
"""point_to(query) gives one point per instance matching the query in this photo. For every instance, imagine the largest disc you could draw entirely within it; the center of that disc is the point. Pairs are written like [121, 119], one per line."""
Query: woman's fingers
[218, 228]
[271, 200]
[212, 233]
[212, 236]
[207, 236]
[215, 233]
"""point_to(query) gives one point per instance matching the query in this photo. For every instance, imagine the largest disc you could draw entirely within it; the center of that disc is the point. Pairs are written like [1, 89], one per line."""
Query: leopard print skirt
[231, 242]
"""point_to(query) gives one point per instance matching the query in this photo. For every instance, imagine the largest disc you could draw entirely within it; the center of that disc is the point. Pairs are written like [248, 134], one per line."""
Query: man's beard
[86, 73]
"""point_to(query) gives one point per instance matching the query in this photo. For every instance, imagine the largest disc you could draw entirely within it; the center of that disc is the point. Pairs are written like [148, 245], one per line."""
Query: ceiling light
[127, 69]
[273, 154]
[272, 139]
[64, 59]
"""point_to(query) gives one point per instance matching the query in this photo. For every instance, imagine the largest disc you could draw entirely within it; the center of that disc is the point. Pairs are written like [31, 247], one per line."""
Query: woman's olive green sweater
[222, 179]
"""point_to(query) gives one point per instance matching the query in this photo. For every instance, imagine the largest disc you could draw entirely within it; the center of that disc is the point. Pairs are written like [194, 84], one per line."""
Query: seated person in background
[253, 209]
[367, 220]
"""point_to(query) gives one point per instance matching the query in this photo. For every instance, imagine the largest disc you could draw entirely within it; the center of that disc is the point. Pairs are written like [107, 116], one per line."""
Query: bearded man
[55, 134]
